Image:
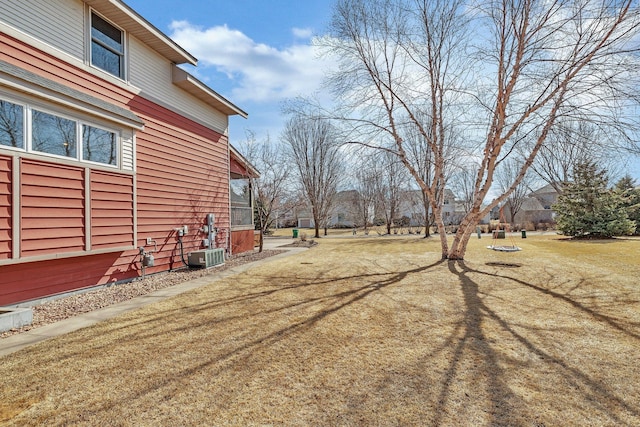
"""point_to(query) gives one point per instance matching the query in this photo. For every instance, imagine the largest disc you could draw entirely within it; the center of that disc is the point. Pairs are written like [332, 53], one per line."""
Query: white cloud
[302, 33]
[259, 72]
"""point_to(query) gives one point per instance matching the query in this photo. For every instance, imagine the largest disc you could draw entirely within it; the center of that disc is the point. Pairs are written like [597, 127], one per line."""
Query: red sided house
[114, 162]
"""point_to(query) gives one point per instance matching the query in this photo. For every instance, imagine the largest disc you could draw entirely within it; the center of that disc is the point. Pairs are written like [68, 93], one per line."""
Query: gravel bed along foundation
[62, 308]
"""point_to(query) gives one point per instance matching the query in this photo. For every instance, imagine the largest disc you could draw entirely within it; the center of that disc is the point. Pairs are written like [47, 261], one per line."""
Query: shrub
[587, 208]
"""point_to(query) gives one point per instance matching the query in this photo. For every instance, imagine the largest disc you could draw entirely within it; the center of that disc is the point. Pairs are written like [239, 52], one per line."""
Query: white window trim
[28, 107]
[118, 135]
[29, 143]
[25, 125]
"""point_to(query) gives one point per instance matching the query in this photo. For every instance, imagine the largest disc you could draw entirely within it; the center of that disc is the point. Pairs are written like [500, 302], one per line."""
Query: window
[11, 124]
[53, 135]
[99, 145]
[107, 46]
[241, 209]
[57, 135]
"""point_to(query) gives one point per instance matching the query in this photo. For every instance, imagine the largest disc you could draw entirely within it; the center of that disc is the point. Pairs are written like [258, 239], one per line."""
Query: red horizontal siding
[111, 220]
[111, 210]
[43, 64]
[182, 175]
[53, 222]
[21, 282]
[35, 169]
[50, 192]
[33, 203]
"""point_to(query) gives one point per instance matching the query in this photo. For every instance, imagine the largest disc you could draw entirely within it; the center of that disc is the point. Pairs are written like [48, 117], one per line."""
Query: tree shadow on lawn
[149, 327]
[152, 327]
[502, 399]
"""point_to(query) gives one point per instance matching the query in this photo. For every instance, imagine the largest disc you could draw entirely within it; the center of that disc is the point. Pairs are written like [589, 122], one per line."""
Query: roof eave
[254, 173]
[186, 81]
[125, 17]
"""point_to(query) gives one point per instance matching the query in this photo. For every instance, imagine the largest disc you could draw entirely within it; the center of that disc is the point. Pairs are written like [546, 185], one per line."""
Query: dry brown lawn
[361, 332]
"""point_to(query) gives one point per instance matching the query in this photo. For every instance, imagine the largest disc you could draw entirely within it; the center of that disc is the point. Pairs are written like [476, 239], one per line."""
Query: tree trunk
[442, 232]
[316, 221]
[262, 227]
[461, 239]
[427, 219]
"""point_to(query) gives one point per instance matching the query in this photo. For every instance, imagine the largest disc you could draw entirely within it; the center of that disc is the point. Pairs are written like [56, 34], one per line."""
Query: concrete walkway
[19, 341]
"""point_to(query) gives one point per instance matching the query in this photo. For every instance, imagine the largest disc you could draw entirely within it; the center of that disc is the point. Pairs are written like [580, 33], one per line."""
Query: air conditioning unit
[206, 258]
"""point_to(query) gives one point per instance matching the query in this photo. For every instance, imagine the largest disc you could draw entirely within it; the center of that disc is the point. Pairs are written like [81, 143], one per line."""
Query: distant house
[531, 211]
[411, 208]
[346, 210]
[535, 208]
[106, 146]
[546, 195]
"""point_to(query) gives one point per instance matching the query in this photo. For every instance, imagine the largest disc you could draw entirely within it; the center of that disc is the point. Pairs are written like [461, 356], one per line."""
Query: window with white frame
[56, 135]
[241, 207]
[107, 46]
[53, 134]
[11, 124]
[99, 145]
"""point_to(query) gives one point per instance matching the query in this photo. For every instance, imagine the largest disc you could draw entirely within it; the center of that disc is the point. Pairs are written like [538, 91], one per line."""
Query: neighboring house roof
[448, 194]
[531, 204]
[547, 189]
[134, 24]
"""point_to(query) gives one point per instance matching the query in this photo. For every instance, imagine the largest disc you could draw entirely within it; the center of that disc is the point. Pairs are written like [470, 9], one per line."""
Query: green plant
[588, 208]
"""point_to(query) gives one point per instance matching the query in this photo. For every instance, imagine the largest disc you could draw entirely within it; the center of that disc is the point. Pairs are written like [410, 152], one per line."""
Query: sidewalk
[17, 342]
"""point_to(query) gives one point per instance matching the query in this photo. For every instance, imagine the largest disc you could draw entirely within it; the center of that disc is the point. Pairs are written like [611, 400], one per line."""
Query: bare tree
[569, 144]
[529, 64]
[463, 184]
[421, 157]
[270, 190]
[505, 177]
[390, 183]
[315, 151]
[365, 183]
[397, 72]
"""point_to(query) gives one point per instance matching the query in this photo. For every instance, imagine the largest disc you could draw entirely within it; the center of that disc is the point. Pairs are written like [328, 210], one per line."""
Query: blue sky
[256, 53]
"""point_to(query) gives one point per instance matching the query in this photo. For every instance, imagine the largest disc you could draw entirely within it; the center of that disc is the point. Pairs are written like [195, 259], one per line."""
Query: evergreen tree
[588, 208]
[630, 195]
